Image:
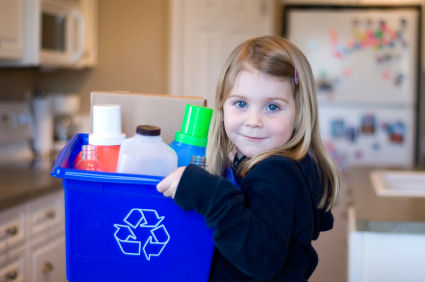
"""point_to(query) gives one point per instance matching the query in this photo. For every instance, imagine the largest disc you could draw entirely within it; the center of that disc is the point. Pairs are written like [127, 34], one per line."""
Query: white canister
[145, 153]
[42, 126]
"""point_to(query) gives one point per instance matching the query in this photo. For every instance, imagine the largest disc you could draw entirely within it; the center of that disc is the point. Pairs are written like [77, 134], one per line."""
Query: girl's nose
[254, 119]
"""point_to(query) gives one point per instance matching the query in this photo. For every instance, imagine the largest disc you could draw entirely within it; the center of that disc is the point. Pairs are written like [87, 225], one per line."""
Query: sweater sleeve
[252, 227]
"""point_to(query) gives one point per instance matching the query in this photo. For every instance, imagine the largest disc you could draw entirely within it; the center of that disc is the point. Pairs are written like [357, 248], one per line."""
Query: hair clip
[295, 72]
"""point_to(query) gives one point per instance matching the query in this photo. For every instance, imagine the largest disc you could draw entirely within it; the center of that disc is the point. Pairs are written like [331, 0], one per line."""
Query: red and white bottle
[107, 135]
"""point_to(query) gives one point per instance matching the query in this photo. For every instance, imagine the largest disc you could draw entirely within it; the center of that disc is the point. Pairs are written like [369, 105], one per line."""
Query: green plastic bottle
[192, 138]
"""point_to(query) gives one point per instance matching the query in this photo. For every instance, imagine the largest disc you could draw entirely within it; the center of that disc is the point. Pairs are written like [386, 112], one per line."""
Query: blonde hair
[275, 56]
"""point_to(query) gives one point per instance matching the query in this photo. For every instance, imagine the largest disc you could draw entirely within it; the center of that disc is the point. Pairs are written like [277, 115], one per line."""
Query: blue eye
[273, 107]
[240, 104]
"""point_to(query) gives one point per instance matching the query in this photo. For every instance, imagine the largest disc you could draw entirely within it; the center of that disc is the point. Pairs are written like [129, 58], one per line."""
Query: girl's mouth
[253, 138]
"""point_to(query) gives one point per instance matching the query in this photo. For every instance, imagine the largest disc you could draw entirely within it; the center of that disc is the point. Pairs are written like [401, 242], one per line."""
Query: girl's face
[259, 113]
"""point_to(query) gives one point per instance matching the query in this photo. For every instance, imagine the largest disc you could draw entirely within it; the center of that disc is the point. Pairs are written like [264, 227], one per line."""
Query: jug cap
[195, 125]
[148, 130]
[106, 125]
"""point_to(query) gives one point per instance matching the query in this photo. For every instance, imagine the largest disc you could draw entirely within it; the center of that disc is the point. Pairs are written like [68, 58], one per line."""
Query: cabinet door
[389, 257]
[11, 29]
[13, 271]
[46, 212]
[48, 261]
[12, 228]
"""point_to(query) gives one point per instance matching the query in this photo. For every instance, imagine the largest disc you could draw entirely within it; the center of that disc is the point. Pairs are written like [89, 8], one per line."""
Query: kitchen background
[131, 51]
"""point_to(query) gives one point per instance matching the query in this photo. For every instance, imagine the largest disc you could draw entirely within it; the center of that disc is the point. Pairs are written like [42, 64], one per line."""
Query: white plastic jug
[145, 153]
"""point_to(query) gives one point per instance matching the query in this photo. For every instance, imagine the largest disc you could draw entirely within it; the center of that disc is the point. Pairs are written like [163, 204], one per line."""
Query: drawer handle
[47, 267]
[12, 231]
[11, 275]
[51, 213]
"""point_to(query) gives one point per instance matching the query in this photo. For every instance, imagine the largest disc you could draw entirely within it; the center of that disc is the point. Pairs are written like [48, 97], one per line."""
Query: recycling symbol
[142, 226]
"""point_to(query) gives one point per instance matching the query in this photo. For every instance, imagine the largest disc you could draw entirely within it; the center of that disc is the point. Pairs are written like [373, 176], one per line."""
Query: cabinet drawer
[13, 271]
[48, 261]
[46, 213]
[12, 228]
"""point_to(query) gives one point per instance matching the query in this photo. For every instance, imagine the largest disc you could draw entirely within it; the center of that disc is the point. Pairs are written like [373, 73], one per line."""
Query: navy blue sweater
[263, 231]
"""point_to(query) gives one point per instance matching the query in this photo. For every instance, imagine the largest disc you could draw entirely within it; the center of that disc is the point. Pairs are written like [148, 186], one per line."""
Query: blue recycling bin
[118, 227]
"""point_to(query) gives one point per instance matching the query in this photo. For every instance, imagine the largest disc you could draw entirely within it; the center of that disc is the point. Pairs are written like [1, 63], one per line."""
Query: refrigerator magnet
[352, 134]
[368, 124]
[397, 131]
[337, 128]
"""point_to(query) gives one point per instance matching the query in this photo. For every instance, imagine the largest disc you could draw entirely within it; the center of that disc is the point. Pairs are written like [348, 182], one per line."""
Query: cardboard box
[165, 111]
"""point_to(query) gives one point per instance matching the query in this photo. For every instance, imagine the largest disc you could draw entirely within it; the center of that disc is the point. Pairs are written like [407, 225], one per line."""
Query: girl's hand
[168, 186]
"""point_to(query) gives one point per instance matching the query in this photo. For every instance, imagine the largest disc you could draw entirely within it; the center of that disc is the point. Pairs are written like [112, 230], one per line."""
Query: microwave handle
[78, 53]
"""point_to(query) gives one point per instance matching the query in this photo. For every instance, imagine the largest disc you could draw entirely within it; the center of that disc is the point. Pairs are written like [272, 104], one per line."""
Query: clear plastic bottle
[145, 153]
[89, 159]
[199, 161]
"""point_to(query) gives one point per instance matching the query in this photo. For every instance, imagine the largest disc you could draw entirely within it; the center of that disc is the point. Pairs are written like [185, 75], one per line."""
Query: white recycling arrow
[142, 218]
[157, 242]
[123, 236]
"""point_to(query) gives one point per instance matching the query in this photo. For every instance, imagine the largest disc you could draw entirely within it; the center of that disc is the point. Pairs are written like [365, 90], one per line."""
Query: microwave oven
[62, 28]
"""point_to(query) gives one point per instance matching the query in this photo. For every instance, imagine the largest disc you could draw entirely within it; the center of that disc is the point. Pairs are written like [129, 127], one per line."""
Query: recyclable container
[119, 228]
[106, 135]
[146, 153]
[192, 139]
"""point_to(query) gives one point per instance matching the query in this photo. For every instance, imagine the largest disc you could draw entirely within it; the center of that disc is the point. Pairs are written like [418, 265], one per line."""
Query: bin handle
[64, 156]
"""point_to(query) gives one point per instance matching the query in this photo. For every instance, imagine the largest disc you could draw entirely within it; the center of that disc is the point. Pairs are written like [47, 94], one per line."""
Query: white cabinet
[19, 32]
[385, 256]
[47, 260]
[12, 228]
[45, 213]
[12, 19]
[13, 271]
[32, 241]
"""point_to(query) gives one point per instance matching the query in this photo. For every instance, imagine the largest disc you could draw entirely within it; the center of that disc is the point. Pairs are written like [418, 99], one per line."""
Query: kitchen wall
[15, 83]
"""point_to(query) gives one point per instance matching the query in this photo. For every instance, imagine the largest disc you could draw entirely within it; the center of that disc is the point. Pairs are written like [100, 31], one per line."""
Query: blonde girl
[270, 184]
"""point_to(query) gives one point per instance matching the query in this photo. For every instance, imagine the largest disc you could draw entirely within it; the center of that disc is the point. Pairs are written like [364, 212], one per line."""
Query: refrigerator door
[359, 54]
[368, 135]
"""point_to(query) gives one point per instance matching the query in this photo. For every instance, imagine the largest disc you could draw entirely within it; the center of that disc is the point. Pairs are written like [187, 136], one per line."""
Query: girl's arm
[252, 228]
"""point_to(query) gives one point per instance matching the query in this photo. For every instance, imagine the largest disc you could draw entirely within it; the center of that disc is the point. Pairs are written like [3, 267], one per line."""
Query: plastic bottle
[192, 139]
[145, 153]
[89, 159]
[199, 161]
[107, 135]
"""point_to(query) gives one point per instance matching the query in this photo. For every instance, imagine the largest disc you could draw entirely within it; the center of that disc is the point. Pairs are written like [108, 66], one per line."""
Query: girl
[265, 121]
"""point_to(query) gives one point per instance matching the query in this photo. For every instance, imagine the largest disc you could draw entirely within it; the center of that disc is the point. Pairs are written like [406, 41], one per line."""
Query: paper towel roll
[42, 126]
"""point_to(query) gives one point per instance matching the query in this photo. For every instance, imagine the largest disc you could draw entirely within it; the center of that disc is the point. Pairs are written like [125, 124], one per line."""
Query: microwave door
[62, 35]
[53, 33]
[76, 35]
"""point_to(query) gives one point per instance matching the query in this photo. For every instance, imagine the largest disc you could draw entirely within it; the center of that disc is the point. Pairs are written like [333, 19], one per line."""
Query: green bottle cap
[195, 125]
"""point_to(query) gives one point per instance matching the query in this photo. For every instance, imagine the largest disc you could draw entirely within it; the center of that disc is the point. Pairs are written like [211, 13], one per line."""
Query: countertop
[21, 182]
[382, 213]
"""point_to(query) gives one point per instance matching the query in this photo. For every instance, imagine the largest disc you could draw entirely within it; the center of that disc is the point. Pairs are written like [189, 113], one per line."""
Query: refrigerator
[366, 62]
